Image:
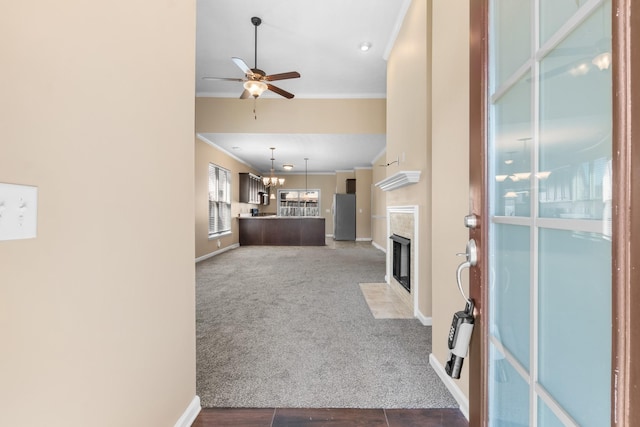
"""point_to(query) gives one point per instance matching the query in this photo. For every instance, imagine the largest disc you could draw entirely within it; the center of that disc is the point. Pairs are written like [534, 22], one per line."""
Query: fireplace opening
[401, 260]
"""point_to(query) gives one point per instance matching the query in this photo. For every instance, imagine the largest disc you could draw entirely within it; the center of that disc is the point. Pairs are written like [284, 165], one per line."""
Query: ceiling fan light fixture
[255, 88]
[254, 79]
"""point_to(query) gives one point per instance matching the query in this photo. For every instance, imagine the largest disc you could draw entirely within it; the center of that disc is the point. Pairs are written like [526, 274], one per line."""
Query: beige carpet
[384, 303]
[288, 327]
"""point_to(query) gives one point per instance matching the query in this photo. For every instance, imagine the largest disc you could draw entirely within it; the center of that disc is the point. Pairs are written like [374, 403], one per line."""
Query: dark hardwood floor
[294, 417]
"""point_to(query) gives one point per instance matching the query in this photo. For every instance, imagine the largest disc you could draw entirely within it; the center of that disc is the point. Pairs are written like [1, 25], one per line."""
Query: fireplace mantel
[399, 180]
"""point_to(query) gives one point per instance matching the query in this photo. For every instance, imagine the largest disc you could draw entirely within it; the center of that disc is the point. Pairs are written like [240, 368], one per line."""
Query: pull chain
[255, 116]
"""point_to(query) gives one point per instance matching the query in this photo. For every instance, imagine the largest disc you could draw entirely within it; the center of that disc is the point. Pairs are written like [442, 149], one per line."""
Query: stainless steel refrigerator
[344, 216]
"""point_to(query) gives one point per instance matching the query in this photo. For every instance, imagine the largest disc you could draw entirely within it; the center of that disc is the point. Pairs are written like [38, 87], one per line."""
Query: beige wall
[291, 116]
[204, 154]
[97, 312]
[409, 128]
[450, 136]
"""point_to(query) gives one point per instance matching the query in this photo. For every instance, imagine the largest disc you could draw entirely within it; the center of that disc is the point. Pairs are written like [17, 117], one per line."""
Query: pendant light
[272, 180]
[306, 188]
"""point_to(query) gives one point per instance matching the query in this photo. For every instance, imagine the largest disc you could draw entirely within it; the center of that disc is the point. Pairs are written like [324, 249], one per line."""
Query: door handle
[471, 255]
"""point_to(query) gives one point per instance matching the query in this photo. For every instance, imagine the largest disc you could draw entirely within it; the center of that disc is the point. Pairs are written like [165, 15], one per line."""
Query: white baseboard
[458, 395]
[426, 321]
[218, 252]
[190, 414]
[377, 246]
[363, 239]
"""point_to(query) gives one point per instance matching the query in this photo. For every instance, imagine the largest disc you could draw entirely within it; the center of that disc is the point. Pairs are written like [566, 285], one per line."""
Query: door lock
[471, 221]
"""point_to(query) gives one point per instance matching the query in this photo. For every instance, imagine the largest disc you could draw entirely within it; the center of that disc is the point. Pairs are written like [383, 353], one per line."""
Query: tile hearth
[384, 302]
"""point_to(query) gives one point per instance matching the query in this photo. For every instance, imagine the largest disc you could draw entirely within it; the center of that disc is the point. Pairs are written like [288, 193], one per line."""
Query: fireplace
[401, 260]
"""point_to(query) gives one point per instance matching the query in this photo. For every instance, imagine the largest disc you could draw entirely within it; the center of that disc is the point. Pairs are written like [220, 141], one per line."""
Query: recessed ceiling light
[365, 46]
[287, 167]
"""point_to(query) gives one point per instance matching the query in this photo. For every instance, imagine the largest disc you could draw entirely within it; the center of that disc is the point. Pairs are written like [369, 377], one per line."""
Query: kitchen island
[282, 231]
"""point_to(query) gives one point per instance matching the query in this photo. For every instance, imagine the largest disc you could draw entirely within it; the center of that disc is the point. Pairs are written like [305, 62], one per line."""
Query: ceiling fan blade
[245, 94]
[229, 79]
[242, 65]
[282, 76]
[279, 91]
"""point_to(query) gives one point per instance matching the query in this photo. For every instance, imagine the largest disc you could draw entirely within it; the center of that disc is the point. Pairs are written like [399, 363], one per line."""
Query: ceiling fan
[257, 81]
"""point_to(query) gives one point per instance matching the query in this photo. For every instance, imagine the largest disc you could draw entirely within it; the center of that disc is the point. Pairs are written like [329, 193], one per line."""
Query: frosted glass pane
[575, 322]
[510, 290]
[546, 417]
[511, 163]
[575, 126]
[554, 13]
[508, 393]
[510, 38]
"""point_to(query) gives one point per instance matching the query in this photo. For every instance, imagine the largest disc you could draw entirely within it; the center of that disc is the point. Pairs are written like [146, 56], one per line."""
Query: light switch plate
[18, 211]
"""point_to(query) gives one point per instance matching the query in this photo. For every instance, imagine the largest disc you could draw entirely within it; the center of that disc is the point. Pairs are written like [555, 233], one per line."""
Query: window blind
[219, 200]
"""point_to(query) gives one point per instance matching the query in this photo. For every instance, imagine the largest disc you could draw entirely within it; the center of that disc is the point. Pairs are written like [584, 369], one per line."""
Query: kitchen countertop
[280, 217]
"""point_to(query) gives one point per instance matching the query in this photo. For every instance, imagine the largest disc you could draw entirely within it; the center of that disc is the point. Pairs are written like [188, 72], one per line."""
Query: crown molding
[399, 180]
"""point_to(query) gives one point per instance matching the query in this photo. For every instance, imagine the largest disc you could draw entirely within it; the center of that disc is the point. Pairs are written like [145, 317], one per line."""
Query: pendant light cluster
[272, 180]
[306, 187]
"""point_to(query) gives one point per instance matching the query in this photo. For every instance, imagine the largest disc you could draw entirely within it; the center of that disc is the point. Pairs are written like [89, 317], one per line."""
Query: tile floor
[384, 302]
[280, 417]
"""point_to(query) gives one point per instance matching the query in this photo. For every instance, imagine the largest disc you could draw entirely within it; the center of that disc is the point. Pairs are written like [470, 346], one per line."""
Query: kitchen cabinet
[351, 186]
[279, 231]
[251, 189]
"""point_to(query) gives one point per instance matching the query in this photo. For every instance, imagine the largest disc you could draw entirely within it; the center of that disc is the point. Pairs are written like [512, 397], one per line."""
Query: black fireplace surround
[401, 260]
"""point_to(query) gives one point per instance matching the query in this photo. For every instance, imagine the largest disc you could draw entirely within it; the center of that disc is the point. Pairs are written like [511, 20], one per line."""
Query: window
[298, 202]
[219, 200]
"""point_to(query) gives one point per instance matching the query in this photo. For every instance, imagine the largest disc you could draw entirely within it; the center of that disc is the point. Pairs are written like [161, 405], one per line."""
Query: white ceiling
[320, 40]
[326, 153]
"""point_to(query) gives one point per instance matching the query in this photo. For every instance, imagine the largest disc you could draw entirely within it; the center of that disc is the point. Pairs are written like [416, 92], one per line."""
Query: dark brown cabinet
[252, 189]
[351, 186]
[282, 231]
